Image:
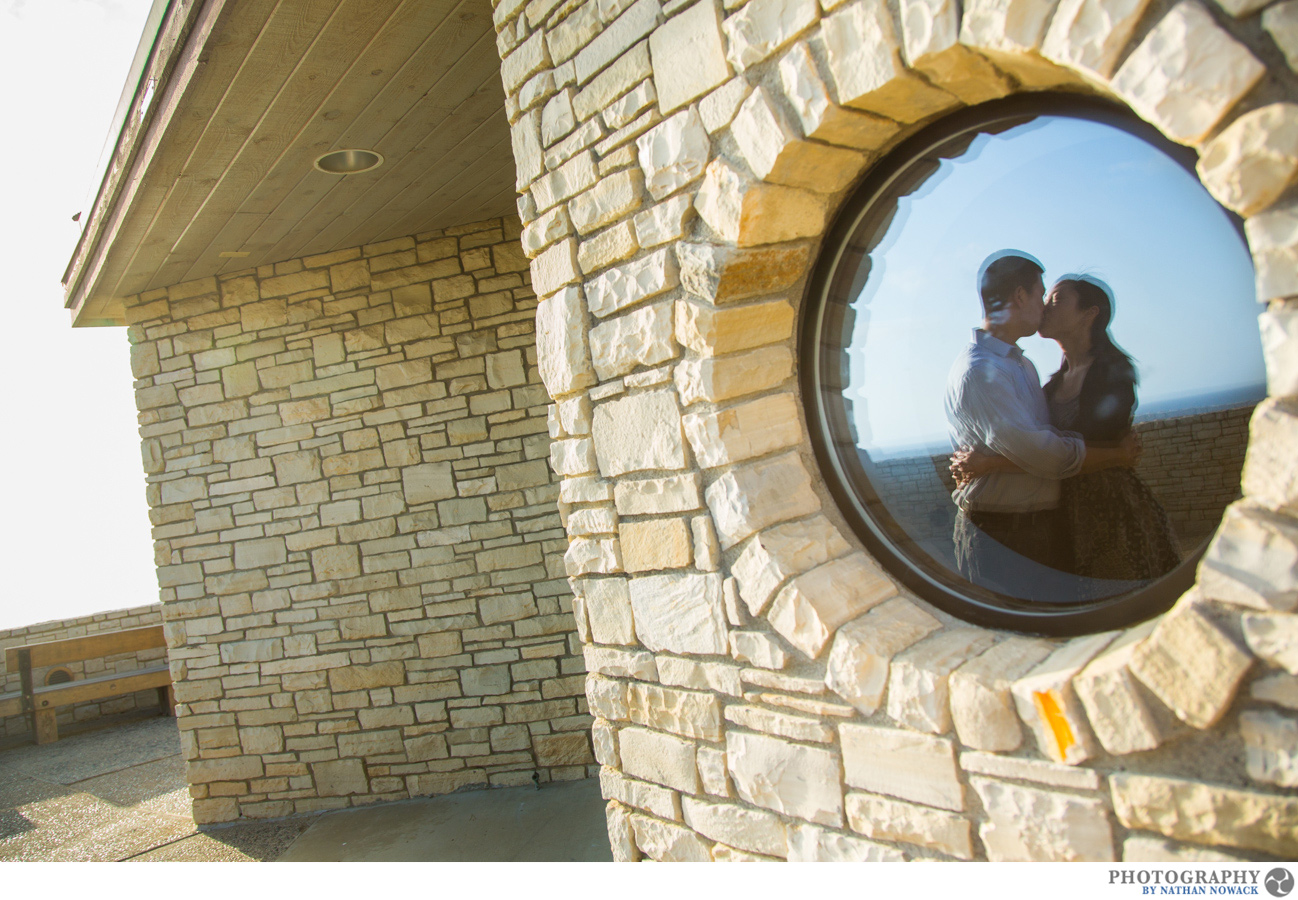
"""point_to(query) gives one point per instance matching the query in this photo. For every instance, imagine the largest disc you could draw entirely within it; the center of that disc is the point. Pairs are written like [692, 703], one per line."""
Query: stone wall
[761, 688]
[358, 546]
[1192, 463]
[115, 620]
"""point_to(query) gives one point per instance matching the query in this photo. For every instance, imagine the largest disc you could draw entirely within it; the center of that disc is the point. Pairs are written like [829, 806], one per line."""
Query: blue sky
[1081, 197]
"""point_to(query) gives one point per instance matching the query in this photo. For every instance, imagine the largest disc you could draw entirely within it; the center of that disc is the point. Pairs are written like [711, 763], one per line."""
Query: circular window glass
[1034, 352]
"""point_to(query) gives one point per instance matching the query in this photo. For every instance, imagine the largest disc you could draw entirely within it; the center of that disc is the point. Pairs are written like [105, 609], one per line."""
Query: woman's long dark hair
[1095, 294]
[1107, 402]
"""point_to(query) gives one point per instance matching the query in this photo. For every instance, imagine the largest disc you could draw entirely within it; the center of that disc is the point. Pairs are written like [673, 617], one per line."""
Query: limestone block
[812, 607]
[719, 107]
[759, 649]
[555, 268]
[639, 432]
[660, 801]
[1077, 778]
[723, 274]
[902, 764]
[781, 725]
[919, 694]
[1280, 350]
[982, 707]
[608, 610]
[1090, 35]
[568, 180]
[1252, 560]
[747, 829]
[894, 820]
[585, 489]
[607, 698]
[773, 150]
[807, 843]
[690, 714]
[1281, 22]
[575, 456]
[545, 229]
[525, 136]
[863, 649]
[821, 118]
[1274, 638]
[728, 377]
[667, 842]
[1280, 689]
[930, 44]
[720, 677]
[629, 70]
[527, 59]
[586, 556]
[557, 118]
[1009, 32]
[664, 221]
[616, 38]
[798, 781]
[680, 613]
[865, 61]
[610, 246]
[1270, 477]
[610, 199]
[336, 562]
[652, 496]
[1190, 664]
[1186, 74]
[1207, 814]
[1143, 848]
[711, 332]
[673, 153]
[1251, 163]
[660, 758]
[733, 434]
[712, 771]
[750, 497]
[1030, 825]
[575, 415]
[627, 108]
[339, 777]
[621, 835]
[1241, 8]
[1048, 705]
[707, 551]
[632, 282]
[1273, 240]
[644, 337]
[1113, 703]
[688, 57]
[749, 213]
[654, 544]
[761, 27]
[1271, 746]
[782, 552]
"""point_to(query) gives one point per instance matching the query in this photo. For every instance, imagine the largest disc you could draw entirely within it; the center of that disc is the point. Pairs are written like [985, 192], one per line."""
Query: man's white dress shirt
[994, 403]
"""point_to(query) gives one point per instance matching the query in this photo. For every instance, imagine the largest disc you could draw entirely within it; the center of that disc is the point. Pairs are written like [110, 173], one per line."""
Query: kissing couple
[1045, 480]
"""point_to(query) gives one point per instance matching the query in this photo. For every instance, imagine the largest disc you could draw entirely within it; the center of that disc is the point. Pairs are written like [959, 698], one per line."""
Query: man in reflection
[994, 403]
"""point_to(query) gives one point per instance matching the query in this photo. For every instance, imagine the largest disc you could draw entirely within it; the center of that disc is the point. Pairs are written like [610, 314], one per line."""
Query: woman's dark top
[1116, 528]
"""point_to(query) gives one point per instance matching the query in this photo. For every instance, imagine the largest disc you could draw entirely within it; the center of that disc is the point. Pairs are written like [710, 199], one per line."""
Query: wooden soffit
[214, 169]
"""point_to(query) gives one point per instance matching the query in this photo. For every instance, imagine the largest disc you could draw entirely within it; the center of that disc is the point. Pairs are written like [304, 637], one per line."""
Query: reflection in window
[902, 379]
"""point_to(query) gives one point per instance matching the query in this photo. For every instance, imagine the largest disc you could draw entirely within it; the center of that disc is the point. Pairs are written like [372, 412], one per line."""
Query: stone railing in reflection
[1192, 463]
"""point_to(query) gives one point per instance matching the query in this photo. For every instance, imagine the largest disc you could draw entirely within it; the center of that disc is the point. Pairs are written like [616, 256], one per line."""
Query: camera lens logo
[1279, 882]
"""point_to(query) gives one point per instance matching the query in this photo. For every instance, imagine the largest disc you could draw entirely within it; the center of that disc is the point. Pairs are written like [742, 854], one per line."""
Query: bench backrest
[91, 646]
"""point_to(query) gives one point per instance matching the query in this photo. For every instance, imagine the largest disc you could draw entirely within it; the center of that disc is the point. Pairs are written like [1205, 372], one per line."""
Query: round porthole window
[1030, 355]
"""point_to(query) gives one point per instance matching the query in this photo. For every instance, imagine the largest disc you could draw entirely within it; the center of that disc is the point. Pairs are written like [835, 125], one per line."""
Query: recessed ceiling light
[348, 162]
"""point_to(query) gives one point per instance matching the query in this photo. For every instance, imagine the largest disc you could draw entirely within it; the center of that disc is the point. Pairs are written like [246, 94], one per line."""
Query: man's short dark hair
[1002, 274]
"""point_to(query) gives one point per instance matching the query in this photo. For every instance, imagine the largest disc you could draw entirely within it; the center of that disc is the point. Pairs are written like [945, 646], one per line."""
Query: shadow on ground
[119, 793]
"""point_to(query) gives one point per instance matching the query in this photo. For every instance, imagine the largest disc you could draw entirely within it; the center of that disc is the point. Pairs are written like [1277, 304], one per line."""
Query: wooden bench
[41, 702]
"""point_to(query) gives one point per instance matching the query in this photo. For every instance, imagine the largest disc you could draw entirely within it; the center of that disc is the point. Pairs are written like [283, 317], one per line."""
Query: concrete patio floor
[119, 793]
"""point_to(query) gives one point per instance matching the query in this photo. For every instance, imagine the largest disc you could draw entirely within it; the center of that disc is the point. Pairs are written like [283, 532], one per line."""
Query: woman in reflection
[1116, 528]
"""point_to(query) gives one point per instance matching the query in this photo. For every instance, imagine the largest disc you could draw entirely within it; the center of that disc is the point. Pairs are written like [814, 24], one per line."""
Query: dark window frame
[821, 376]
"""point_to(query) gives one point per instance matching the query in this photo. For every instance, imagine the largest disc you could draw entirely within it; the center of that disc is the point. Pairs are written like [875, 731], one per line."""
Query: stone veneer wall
[357, 541]
[762, 689]
[114, 620]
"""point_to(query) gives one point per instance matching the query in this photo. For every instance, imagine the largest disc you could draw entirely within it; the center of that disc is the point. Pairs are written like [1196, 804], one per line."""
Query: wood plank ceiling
[276, 85]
